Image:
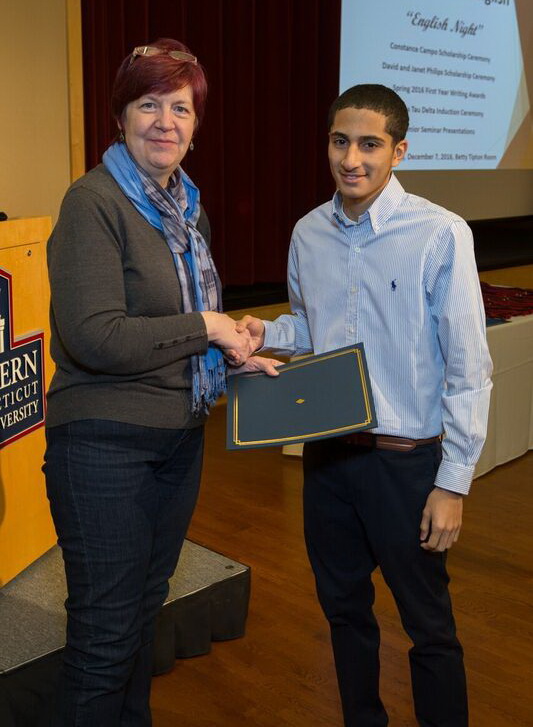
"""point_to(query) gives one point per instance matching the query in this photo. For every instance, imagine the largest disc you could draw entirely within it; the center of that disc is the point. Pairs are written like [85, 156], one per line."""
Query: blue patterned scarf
[175, 212]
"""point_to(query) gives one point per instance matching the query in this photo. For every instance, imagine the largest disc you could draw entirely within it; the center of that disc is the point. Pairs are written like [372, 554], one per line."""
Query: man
[397, 272]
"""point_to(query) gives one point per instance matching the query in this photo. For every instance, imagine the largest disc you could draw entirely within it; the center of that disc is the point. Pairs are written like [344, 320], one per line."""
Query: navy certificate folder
[320, 396]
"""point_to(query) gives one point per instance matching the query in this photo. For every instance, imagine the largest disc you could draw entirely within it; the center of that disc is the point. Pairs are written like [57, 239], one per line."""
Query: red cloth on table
[503, 302]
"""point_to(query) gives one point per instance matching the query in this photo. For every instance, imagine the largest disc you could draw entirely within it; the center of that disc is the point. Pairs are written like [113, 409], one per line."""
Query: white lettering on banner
[18, 395]
[18, 415]
[18, 369]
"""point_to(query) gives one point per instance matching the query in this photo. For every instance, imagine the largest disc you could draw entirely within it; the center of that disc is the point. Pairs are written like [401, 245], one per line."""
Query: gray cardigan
[119, 337]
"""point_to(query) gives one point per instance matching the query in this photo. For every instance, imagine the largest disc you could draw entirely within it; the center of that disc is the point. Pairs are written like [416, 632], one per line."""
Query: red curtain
[260, 157]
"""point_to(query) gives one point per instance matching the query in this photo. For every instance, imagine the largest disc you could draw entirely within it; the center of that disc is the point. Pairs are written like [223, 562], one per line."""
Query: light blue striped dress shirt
[402, 279]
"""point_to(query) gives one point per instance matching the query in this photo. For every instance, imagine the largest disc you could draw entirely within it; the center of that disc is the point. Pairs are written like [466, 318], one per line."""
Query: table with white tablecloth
[510, 430]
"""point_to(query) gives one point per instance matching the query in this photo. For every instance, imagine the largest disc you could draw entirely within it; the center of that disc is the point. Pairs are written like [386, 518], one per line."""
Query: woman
[137, 337]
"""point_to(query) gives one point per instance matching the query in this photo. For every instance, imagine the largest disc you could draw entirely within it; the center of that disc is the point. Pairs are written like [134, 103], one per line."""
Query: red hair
[158, 74]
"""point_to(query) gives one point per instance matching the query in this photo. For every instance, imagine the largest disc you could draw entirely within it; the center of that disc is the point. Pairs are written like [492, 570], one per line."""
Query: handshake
[238, 340]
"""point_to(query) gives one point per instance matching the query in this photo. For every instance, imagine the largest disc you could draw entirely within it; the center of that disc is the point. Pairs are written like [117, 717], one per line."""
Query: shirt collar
[379, 211]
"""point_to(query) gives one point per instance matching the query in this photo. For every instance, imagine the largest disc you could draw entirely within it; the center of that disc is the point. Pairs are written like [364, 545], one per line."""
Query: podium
[26, 528]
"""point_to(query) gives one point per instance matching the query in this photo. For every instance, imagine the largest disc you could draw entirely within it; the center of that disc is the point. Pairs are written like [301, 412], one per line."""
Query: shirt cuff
[270, 340]
[454, 477]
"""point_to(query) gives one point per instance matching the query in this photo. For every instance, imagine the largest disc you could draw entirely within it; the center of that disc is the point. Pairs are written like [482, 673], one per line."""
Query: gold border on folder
[296, 365]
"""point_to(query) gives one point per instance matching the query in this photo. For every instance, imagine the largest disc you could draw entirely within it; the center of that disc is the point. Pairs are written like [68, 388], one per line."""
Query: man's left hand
[441, 520]
[258, 363]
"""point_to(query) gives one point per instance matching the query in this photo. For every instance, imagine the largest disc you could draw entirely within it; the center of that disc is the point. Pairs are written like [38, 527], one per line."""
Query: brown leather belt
[385, 441]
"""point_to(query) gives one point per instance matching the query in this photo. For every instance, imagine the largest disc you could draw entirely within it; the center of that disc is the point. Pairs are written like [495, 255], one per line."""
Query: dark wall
[260, 157]
[503, 243]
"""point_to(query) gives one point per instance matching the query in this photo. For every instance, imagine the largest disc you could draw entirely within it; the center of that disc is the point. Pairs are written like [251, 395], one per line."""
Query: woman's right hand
[222, 331]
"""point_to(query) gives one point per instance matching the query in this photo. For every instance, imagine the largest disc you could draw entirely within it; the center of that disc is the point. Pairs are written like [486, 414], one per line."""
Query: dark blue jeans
[122, 497]
[362, 509]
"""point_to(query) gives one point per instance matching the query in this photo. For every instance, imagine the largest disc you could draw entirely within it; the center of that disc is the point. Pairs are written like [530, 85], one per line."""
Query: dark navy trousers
[122, 497]
[362, 510]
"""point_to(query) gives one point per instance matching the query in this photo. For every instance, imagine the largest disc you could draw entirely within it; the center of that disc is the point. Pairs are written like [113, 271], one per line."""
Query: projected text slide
[457, 65]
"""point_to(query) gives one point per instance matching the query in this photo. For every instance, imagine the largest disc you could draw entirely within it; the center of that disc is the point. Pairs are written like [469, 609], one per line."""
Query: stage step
[208, 601]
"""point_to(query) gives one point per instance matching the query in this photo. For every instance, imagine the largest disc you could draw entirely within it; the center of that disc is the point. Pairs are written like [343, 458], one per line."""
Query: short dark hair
[158, 74]
[378, 98]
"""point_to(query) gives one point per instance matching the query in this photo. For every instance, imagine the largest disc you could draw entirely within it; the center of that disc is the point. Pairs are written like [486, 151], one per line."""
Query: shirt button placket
[353, 287]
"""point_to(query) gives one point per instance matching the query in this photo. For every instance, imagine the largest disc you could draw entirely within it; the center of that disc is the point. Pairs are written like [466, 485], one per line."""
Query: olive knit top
[119, 338]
